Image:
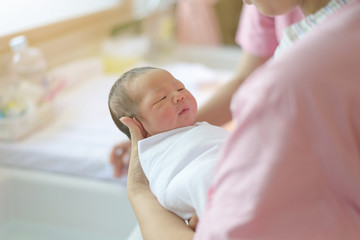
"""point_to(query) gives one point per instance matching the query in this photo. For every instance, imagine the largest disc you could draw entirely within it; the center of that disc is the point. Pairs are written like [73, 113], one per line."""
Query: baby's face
[165, 103]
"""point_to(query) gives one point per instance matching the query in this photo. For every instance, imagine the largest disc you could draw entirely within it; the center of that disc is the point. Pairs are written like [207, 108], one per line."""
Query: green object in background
[133, 27]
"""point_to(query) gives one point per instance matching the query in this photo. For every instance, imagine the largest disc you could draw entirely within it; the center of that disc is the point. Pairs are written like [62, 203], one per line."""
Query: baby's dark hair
[121, 103]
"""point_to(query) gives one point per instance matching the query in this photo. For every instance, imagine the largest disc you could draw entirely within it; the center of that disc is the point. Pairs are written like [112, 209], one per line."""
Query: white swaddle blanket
[180, 164]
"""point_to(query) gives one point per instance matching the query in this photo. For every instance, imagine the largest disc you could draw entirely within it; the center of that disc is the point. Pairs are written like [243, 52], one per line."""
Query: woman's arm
[155, 221]
[216, 110]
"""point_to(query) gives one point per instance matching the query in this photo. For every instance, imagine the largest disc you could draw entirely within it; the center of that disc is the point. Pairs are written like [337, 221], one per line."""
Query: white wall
[20, 15]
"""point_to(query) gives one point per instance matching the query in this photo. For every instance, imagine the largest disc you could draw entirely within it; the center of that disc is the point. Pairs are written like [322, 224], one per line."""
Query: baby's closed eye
[159, 100]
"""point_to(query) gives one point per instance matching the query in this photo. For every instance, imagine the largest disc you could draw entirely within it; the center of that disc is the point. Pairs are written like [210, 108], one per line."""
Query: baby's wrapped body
[180, 164]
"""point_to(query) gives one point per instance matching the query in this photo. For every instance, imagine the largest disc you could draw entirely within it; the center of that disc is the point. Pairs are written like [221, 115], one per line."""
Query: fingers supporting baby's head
[137, 131]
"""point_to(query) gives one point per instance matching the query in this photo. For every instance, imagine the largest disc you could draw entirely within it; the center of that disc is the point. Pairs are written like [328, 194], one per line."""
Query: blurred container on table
[28, 64]
[20, 112]
[120, 53]
[26, 96]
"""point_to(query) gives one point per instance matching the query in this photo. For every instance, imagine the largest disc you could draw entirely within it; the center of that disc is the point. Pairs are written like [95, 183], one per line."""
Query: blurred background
[21, 15]
[201, 22]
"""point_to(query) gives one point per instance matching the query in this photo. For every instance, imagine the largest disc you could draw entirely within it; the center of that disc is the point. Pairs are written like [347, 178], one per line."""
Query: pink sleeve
[256, 33]
[260, 35]
[291, 168]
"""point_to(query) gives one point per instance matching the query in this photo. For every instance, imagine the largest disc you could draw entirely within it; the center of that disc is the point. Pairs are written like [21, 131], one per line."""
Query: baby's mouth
[184, 111]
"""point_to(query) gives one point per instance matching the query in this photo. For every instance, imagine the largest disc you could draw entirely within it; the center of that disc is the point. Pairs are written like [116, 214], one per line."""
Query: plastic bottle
[28, 63]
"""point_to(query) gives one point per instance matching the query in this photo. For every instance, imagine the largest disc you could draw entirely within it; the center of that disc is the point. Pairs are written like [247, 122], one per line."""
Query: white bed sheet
[79, 140]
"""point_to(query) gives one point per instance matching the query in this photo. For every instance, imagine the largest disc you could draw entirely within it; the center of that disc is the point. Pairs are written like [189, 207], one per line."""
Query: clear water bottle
[28, 63]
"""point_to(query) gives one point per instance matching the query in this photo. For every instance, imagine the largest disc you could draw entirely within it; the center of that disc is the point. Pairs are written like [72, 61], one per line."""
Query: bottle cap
[18, 43]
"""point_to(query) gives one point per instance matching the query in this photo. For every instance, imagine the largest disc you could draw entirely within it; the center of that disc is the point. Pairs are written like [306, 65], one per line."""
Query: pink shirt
[260, 35]
[291, 169]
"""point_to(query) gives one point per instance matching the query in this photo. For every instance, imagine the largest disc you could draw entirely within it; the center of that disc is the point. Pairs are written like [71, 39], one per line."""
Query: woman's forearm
[157, 223]
[216, 110]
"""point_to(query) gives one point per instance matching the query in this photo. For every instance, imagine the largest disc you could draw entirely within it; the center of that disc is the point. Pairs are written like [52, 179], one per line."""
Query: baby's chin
[186, 124]
[181, 125]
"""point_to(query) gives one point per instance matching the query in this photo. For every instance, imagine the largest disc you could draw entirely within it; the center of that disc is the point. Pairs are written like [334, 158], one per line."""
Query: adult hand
[120, 157]
[193, 222]
[136, 176]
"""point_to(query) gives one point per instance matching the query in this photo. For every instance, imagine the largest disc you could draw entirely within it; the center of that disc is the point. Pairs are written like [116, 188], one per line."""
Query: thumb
[193, 222]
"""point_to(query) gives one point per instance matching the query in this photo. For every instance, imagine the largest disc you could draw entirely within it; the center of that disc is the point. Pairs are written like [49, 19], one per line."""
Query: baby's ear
[143, 130]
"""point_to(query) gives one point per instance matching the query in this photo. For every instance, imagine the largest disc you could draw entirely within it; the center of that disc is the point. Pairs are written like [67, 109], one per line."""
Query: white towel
[179, 165]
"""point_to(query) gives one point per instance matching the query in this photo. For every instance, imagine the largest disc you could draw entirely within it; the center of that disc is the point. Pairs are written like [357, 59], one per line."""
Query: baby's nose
[178, 97]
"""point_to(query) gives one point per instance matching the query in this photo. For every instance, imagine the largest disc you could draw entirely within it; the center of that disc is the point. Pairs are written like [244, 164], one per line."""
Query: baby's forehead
[158, 72]
[153, 81]
[159, 77]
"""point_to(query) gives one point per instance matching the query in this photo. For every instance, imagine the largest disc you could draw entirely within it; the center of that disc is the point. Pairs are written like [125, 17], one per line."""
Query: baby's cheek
[164, 121]
[168, 117]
